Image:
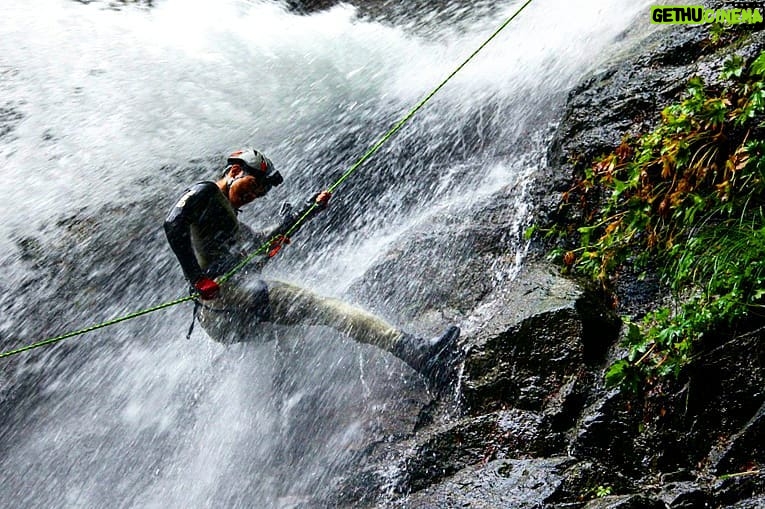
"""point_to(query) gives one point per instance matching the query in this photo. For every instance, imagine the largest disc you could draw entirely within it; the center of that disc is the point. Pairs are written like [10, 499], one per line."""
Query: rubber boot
[435, 359]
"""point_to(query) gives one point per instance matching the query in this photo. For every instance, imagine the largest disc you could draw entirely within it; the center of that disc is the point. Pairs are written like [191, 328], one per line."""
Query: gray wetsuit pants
[234, 316]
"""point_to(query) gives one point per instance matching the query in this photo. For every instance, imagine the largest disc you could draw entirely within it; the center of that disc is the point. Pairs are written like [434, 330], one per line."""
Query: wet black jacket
[206, 236]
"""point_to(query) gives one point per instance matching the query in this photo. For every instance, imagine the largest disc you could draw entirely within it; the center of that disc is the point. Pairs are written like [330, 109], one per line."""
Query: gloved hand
[208, 289]
[322, 199]
[286, 209]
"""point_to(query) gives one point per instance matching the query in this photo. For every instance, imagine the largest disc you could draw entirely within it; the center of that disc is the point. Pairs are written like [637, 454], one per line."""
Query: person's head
[249, 175]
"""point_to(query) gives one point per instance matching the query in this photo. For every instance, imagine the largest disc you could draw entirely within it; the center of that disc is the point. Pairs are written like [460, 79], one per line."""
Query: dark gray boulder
[516, 483]
[437, 454]
[535, 341]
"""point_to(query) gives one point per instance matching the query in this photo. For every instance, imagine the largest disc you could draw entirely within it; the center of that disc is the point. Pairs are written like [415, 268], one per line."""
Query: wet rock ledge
[536, 427]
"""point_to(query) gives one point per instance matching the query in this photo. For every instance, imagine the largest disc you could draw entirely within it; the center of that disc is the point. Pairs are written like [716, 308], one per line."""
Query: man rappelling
[208, 239]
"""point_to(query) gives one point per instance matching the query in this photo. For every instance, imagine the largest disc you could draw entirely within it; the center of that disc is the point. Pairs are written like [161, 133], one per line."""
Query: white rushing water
[101, 109]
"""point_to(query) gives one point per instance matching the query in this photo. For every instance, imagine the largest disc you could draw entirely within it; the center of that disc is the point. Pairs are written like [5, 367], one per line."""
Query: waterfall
[107, 114]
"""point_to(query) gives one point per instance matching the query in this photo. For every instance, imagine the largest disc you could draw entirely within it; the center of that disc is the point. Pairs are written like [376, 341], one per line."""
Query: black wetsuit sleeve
[178, 228]
[291, 215]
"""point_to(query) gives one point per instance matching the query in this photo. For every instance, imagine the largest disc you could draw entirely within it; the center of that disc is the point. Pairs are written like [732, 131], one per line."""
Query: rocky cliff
[530, 422]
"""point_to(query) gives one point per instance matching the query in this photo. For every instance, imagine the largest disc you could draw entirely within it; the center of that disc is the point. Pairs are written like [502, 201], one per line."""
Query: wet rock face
[474, 441]
[532, 387]
[626, 97]
[525, 379]
[537, 353]
[539, 338]
[605, 431]
[726, 393]
[517, 483]
[463, 254]
[753, 503]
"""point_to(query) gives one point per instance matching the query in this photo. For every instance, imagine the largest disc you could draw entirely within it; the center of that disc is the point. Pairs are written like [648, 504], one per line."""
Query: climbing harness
[272, 247]
[198, 306]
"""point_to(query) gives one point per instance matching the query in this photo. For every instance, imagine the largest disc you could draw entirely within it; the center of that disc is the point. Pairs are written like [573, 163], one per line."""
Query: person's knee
[289, 304]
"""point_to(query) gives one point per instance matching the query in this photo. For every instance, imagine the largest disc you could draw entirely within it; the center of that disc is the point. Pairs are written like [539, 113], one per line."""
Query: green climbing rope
[262, 249]
[92, 328]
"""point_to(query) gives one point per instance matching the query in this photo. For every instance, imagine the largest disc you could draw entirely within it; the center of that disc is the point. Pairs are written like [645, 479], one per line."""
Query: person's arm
[178, 230]
[291, 215]
[277, 236]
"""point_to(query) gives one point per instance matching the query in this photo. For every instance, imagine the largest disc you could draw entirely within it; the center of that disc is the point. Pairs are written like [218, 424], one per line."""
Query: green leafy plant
[603, 491]
[688, 200]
